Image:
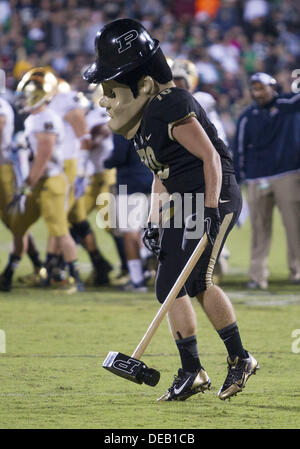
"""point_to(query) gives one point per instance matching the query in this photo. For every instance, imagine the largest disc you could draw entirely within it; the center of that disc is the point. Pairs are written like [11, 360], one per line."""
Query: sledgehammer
[130, 367]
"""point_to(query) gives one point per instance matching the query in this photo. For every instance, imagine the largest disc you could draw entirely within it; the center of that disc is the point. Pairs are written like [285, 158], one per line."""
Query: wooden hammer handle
[168, 302]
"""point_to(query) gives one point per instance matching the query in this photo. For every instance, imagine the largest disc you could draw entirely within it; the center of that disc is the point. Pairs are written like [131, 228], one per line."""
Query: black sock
[96, 257]
[232, 340]
[11, 266]
[35, 259]
[61, 262]
[73, 269]
[51, 261]
[98, 261]
[33, 254]
[121, 251]
[188, 351]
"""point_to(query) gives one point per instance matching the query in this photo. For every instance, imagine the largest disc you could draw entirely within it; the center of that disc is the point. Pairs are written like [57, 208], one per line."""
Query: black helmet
[121, 46]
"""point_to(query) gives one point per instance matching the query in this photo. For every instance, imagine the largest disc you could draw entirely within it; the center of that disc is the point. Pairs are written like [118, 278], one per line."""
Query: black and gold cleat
[239, 372]
[187, 384]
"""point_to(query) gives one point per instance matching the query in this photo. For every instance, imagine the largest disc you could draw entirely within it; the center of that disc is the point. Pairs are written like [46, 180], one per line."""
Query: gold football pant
[49, 201]
[7, 189]
[70, 169]
[99, 183]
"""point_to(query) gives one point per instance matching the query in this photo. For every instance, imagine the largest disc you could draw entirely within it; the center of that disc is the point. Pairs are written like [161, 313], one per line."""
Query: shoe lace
[235, 372]
[177, 379]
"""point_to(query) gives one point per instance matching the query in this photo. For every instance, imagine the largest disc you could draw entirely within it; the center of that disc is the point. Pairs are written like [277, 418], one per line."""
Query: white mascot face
[124, 110]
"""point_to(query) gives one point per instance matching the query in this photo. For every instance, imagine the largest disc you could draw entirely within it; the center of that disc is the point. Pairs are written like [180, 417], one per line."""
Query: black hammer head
[131, 369]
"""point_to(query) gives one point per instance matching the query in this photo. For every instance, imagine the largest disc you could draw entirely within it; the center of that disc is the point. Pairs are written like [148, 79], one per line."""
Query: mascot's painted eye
[108, 91]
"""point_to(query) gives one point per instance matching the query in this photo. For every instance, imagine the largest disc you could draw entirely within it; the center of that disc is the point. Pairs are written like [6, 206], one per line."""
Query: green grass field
[51, 375]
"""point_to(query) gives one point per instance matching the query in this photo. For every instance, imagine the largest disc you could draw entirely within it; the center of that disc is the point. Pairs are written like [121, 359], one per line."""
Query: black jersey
[179, 170]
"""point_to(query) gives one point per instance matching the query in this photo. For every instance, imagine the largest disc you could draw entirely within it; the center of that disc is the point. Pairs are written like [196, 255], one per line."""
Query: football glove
[151, 239]
[212, 223]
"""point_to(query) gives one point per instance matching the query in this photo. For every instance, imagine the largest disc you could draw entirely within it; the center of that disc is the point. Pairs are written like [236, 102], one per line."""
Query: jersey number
[148, 158]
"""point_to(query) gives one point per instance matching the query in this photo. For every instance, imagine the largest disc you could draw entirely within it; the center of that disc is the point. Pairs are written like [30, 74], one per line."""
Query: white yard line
[258, 298]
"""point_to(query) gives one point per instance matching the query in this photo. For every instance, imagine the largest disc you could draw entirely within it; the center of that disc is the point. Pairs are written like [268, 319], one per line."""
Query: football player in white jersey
[186, 76]
[7, 178]
[72, 107]
[97, 119]
[11, 172]
[8, 181]
[45, 188]
[99, 181]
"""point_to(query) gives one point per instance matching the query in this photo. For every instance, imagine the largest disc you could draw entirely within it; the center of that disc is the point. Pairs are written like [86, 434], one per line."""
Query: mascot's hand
[151, 239]
[211, 223]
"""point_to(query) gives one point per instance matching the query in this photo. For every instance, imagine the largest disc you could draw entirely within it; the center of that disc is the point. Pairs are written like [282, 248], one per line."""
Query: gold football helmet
[94, 94]
[183, 68]
[36, 87]
[97, 94]
[83, 101]
[63, 86]
[170, 61]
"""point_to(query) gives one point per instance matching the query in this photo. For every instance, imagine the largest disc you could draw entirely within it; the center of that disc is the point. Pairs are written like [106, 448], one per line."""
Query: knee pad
[80, 230]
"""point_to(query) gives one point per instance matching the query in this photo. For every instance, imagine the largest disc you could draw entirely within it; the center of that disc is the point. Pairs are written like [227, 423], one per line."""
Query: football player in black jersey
[175, 139]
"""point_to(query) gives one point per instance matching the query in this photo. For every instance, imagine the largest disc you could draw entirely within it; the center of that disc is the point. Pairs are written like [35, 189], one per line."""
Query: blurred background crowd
[227, 40]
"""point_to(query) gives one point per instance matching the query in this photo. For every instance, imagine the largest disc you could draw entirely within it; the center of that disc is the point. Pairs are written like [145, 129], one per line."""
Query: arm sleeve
[289, 103]
[239, 148]
[46, 123]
